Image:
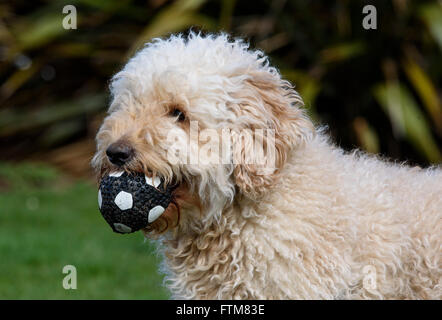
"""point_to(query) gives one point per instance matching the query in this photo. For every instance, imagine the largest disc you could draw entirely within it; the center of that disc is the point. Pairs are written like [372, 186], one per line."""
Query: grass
[47, 223]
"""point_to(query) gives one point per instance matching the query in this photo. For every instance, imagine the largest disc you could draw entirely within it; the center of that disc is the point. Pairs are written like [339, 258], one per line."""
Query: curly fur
[307, 229]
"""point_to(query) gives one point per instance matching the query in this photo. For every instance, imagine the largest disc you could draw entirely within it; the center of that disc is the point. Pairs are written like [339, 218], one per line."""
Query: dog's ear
[269, 110]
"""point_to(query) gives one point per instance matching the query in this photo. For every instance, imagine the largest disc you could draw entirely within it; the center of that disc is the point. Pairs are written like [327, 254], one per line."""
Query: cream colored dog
[314, 223]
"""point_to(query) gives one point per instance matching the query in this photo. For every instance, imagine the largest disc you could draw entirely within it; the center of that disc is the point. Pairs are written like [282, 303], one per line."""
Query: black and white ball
[130, 202]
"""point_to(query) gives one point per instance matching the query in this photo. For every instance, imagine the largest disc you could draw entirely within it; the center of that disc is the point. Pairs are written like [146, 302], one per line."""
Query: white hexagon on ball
[153, 182]
[122, 228]
[155, 213]
[124, 200]
[100, 199]
[116, 174]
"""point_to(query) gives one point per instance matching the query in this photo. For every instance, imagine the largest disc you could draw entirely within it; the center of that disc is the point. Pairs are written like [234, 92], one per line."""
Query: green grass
[46, 223]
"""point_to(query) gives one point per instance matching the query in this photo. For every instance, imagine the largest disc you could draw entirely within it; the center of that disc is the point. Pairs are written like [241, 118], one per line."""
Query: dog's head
[204, 112]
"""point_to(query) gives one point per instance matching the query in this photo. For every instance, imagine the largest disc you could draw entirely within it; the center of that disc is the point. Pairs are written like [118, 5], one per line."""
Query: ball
[130, 202]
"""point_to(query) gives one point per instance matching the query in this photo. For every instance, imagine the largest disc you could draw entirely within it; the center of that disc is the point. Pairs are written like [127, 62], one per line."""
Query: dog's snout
[119, 153]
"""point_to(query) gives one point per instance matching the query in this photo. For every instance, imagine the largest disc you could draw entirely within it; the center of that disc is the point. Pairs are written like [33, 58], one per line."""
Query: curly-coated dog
[298, 218]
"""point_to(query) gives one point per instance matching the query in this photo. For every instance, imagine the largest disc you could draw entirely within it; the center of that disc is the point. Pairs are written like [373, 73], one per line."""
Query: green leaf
[176, 17]
[407, 118]
[426, 90]
[17, 79]
[367, 136]
[432, 16]
[18, 122]
[225, 19]
[341, 52]
[41, 31]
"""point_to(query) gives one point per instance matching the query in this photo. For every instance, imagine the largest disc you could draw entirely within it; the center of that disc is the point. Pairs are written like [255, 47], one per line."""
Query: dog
[315, 222]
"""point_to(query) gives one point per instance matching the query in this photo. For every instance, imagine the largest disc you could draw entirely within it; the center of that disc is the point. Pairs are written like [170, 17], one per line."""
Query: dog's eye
[176, 113]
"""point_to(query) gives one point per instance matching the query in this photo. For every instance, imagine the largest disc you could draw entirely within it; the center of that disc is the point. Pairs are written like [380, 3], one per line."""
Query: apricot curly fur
[309, 228]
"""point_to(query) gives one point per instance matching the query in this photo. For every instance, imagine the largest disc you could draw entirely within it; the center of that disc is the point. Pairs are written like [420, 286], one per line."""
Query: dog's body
[333, 221]
[323, 225]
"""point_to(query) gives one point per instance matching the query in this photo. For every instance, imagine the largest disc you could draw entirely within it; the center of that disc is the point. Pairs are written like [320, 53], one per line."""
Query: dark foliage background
[378, 90]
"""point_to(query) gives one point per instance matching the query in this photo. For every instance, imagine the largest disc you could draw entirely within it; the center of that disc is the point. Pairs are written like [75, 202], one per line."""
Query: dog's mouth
[132, 200]
[171, 216]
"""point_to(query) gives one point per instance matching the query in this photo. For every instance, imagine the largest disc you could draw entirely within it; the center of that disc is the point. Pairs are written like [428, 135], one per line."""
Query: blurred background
[378, 90]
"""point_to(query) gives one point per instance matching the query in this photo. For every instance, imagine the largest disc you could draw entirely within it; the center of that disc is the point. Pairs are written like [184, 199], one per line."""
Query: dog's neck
[202, 251]
[216, 249]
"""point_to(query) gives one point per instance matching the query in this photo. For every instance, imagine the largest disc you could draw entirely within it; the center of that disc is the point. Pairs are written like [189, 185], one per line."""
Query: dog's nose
[119, 153]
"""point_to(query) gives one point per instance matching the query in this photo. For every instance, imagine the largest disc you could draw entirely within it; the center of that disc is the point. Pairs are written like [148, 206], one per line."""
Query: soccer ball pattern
[129, 202]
